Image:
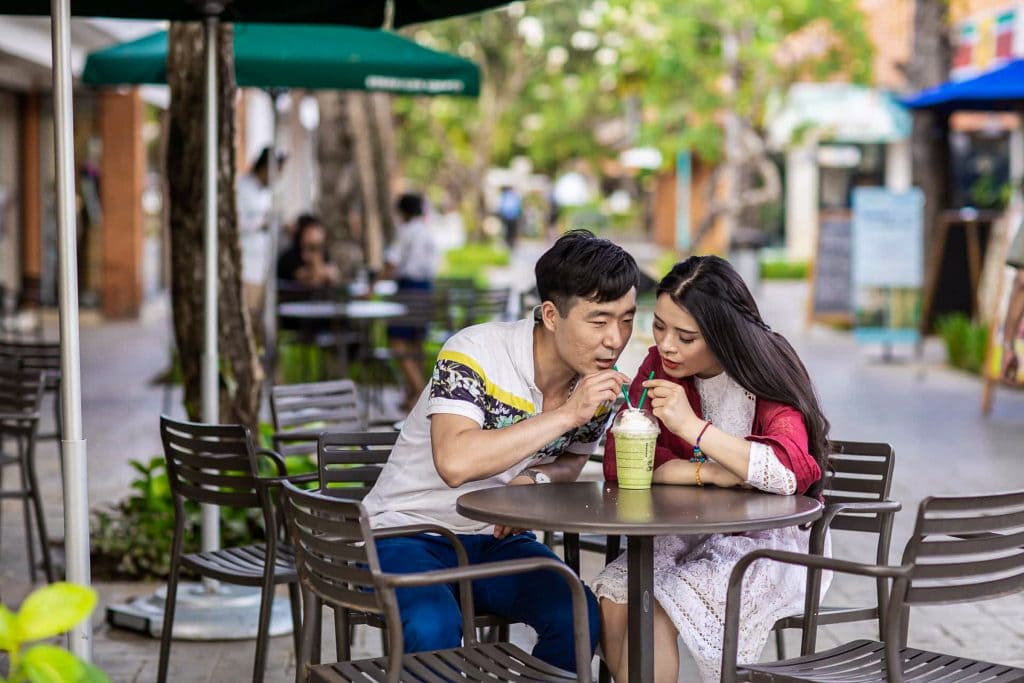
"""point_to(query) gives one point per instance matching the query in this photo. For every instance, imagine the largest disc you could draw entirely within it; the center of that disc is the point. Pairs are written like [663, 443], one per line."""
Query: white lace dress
[691, 573]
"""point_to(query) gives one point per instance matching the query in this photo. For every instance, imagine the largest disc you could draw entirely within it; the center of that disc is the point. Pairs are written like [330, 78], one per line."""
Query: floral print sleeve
[457, 388]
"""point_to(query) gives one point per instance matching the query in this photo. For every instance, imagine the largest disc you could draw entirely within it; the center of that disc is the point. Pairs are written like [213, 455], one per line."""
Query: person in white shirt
[509, 404]
[255, 201]
[413, 261]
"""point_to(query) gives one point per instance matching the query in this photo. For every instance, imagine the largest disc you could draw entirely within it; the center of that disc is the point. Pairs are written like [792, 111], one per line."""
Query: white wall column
[898, 166]
[801, 202]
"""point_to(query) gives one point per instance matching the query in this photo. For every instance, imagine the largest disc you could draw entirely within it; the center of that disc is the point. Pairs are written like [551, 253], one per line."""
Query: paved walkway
[928, 412]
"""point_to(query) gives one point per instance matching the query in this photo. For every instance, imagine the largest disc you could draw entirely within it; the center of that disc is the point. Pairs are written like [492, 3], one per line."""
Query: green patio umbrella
[303, 56]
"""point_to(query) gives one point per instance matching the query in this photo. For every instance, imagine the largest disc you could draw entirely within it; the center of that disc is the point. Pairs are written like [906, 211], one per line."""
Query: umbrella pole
[76, 489]
[209, 371]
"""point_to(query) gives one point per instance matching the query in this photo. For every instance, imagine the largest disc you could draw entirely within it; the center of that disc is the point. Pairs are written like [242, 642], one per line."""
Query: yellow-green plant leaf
[9, 636]
[51, 664]
[54, 609]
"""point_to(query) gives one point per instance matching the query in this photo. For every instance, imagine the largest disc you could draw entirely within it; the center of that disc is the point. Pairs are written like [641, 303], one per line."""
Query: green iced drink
[636, 433]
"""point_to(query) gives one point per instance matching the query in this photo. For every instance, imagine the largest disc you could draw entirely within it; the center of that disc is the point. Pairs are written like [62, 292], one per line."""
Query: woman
[306, 262]
[736, 408]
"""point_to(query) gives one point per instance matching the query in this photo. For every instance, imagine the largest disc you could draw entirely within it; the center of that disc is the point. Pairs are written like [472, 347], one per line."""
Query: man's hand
[501, 531]
[591, 391]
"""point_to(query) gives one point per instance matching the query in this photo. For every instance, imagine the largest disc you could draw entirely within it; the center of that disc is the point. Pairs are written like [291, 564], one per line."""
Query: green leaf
[54, 609]
[10, 639]
[51, 664]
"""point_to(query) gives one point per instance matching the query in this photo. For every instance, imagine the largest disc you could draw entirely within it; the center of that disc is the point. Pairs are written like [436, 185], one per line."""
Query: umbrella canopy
[301, 56]
[840, 112]
[1000, 89]
[365, 13]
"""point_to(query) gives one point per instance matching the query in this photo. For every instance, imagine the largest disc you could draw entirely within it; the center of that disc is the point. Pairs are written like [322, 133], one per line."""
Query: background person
[509, 404]
[255, 201]
[306, 262]
[413, 261]
[724, 381]
[1014, 310]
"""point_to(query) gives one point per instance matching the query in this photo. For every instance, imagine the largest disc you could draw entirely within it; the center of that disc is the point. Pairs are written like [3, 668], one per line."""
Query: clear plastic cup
[636, 433]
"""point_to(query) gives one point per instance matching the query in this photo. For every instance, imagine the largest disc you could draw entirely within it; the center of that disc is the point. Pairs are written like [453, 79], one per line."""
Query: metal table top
[348, 309]
[604, 508]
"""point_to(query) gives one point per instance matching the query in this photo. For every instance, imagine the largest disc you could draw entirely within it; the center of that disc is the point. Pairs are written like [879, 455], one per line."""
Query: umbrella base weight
[225, 613]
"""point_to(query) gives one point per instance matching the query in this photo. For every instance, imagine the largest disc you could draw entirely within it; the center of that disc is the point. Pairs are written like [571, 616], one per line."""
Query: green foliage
[132, 539]
[471, 260]
[986, 193]
[564, 81]
[784, 270]
[47, 612]
[966, 342]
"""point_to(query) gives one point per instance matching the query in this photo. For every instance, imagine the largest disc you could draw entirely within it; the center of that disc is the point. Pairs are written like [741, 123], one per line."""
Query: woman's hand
[670, 405]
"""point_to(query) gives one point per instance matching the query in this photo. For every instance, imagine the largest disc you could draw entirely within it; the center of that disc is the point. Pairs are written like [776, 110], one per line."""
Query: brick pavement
[928, 412]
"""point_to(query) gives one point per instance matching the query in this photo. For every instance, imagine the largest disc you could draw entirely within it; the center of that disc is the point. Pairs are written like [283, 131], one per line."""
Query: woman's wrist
[692, 429]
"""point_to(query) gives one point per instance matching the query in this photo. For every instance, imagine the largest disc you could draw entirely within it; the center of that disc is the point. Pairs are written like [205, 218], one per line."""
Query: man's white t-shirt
[414, 254]
[485, 373]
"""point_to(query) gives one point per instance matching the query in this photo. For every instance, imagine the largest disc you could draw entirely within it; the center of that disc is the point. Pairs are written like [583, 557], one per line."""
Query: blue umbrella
[1000, 89]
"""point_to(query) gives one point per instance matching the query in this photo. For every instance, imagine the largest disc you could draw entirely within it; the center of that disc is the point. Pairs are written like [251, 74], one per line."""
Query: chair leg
[780, 644]
[26, 510]
[342, 637]
[37, 501]
[310, 650]
[169, 604]
[296, 602]
[263, 632]
[603, 674]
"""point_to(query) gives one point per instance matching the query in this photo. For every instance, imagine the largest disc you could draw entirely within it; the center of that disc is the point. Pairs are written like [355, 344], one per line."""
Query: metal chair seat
[491, 662]
[864, 661]
[243, 565]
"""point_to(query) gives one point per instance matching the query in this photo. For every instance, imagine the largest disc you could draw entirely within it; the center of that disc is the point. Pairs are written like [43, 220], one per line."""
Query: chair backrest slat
[200, 456]
[988, 562]
[859, 471]
[335, 555]
[350, 462]
[21, 389]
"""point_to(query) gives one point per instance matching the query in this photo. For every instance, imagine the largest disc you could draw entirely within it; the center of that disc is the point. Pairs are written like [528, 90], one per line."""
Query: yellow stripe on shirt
[490, 388]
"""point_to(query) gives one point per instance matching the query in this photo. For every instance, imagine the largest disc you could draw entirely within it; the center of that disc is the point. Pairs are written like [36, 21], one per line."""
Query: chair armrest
[824, 523]
[304, 478]
[489, 570]
[297, 436]
[732, 602]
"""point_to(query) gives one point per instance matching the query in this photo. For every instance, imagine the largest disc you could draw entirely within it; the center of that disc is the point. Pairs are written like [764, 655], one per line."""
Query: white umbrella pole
[209, 388]
[76, 488]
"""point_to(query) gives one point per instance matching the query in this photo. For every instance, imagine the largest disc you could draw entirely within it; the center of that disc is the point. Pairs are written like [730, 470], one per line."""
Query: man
[254, 205]
[1014, 310]
[510, 210]
[509, 404]
[413, 260]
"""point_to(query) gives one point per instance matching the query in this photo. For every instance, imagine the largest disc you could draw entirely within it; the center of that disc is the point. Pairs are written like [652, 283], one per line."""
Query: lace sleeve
[766, 473]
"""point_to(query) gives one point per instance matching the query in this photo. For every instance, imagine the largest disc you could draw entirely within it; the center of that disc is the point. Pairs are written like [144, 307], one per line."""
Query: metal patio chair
[45, 357]
[21, 392]
[336, 557]
[348, 465]
[856, 493]
[301, 412]
[963, 549]
[218, 465]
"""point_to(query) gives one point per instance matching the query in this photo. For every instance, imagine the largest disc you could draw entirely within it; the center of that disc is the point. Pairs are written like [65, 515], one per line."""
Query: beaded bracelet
[696, 473]
[697, 455]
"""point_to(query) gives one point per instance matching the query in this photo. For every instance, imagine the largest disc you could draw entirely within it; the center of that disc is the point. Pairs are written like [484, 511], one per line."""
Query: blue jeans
[431, 619]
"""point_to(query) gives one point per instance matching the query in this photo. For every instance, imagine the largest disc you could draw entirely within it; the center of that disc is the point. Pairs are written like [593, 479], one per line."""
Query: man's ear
[549, 315]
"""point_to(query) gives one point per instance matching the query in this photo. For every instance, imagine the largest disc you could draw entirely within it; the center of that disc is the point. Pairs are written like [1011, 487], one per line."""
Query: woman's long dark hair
[760, 360]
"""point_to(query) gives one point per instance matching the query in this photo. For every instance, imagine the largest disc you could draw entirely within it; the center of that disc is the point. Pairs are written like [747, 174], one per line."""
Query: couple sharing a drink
[727, 403]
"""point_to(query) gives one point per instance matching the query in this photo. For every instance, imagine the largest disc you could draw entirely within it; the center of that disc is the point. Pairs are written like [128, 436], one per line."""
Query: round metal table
[604, 508]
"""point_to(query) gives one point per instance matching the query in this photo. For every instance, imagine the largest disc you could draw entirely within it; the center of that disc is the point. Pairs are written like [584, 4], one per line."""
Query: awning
[1000, 89]
[837, 112]
[304, 56]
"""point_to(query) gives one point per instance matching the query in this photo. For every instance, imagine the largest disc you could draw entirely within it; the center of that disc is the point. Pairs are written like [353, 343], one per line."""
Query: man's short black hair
[410, 204]
[580, 265]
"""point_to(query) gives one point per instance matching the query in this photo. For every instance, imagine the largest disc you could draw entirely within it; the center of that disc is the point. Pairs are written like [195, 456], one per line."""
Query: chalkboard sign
[831, 280]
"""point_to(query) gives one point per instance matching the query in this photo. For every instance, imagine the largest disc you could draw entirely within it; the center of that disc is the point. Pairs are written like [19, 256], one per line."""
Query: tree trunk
[929, 66]
[356, 154]
[241, 373]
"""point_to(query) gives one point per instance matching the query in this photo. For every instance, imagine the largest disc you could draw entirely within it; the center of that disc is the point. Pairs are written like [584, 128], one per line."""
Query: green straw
[625, 394]
[644, 395]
